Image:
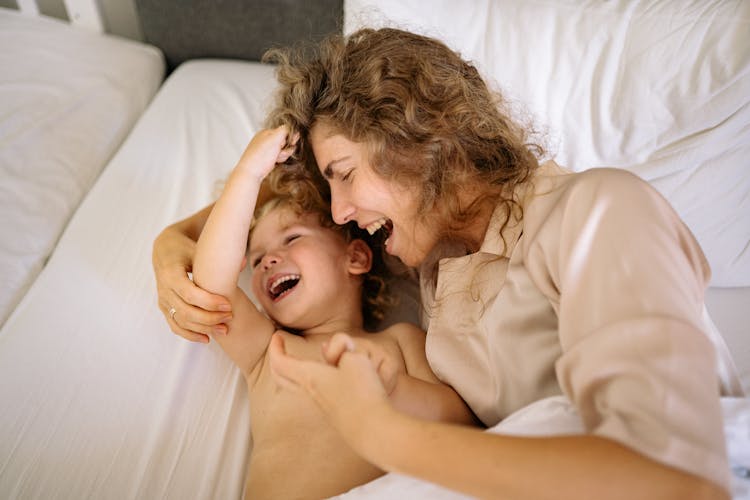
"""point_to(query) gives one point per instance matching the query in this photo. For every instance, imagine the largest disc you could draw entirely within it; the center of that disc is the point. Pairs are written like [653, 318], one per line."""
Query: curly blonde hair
[428, 118]
[292, 186]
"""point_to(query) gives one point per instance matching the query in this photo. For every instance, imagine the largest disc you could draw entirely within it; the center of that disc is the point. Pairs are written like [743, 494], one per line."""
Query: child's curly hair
[297, 188]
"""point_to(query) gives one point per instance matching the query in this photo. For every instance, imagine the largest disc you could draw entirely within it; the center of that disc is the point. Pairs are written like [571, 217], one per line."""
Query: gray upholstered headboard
[235, 29]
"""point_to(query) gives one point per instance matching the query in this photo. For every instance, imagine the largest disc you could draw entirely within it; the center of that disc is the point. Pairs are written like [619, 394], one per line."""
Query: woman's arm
[406, 376]
[198, 313]
[491, 465]
[469, 460]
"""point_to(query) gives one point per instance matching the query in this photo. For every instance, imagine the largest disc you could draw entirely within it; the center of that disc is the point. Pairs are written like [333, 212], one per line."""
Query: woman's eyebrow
[328, 170]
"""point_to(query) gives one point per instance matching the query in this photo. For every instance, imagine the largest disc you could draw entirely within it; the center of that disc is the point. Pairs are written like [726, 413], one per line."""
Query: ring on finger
[172, 312]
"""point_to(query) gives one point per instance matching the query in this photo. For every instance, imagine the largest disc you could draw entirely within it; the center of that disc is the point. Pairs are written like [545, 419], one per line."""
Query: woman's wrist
[189, 228]
[173, 242]
[378, 432]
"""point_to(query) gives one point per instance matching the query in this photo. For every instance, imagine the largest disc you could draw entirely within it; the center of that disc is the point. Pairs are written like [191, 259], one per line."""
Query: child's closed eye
[291, 238]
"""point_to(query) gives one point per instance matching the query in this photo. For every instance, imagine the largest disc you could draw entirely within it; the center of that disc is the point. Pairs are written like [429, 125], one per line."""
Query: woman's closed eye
[348, 175]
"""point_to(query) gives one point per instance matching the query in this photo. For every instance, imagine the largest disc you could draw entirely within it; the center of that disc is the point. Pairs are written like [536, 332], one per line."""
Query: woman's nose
[342, 210]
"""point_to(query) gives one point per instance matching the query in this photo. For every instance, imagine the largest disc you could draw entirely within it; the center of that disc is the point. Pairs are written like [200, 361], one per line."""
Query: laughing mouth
[383, 223]
[282, 286]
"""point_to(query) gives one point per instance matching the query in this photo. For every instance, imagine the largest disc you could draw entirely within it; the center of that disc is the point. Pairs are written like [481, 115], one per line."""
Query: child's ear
[360, 257]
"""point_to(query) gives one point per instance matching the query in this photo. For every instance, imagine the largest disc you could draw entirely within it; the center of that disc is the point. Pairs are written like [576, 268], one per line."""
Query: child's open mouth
[282, 286]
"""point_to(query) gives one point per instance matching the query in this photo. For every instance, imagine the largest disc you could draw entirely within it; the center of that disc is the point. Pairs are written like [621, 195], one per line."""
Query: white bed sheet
[68, 98]
[100, 399]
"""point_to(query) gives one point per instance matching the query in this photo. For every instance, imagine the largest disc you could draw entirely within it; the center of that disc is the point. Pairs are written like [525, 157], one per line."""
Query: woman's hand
[349, 393]
[191, 312]
[387, 365]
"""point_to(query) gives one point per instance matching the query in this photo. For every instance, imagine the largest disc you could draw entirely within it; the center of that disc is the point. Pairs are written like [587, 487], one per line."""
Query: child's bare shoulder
[404, 337]
[409, 337]
[404, 332]
[411, 341]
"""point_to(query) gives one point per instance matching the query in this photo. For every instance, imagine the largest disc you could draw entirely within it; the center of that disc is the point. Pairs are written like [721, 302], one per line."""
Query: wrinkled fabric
[599, 296]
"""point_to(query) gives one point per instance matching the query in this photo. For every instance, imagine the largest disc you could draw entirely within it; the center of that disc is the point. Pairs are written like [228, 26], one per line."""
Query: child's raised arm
[220, 251]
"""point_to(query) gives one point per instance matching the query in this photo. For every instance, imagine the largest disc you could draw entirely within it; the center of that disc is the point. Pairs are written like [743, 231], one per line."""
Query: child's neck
[350, 325]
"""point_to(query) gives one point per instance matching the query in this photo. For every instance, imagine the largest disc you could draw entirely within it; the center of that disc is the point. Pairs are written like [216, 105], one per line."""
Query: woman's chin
[391, 249]
[409, 258]
[407, 254]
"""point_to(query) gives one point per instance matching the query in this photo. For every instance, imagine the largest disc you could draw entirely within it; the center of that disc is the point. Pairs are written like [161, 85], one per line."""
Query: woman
[535, 282]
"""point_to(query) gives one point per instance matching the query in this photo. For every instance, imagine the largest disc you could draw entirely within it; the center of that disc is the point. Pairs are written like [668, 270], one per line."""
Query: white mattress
[68, 98]
[98, 395]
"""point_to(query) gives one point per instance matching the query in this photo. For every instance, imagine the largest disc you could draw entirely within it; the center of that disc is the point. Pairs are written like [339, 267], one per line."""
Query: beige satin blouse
[599, 296]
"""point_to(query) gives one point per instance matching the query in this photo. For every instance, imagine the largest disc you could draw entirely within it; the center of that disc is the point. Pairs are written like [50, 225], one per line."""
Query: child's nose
[270, 260]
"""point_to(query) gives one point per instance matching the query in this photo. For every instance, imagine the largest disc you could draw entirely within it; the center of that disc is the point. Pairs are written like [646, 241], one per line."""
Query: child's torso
[296, 453]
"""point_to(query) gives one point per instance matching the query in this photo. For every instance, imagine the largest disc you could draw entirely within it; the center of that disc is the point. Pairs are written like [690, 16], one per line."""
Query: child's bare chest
[282, 413]
[275, 408]
[290, 433]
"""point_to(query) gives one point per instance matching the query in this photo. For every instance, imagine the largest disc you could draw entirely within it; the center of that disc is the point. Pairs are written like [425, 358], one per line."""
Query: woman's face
[358, 193]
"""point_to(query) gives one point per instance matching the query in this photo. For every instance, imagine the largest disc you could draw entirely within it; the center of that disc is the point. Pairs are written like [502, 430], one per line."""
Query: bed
[100, 400]
[68, 98]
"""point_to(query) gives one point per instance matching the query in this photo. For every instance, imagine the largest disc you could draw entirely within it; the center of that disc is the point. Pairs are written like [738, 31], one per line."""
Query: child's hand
[386, 363]
[266, 149]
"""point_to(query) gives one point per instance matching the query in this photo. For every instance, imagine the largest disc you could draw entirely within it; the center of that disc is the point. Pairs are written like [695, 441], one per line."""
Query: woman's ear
[360, 257]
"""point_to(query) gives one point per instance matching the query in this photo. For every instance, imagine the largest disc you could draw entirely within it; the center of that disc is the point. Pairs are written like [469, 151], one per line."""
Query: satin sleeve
[627, 279]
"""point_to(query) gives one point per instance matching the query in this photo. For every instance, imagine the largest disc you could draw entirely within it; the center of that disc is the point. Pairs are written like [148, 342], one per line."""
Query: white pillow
[68, 98]
[660, 88]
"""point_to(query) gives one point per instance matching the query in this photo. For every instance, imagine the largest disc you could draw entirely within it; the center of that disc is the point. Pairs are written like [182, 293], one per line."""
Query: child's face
[298, 266]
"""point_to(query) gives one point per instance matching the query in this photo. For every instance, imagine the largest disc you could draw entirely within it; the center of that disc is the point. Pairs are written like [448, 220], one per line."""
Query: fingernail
[225, 307]
[220, 330]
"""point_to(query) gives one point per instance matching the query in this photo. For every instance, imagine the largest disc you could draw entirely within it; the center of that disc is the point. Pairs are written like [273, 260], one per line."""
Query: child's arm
[418, 392]
[406, 376]
[173, 253]
[220, 251]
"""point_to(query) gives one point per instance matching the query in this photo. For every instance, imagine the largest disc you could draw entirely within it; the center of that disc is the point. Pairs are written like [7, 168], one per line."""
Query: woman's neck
[481, 207]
